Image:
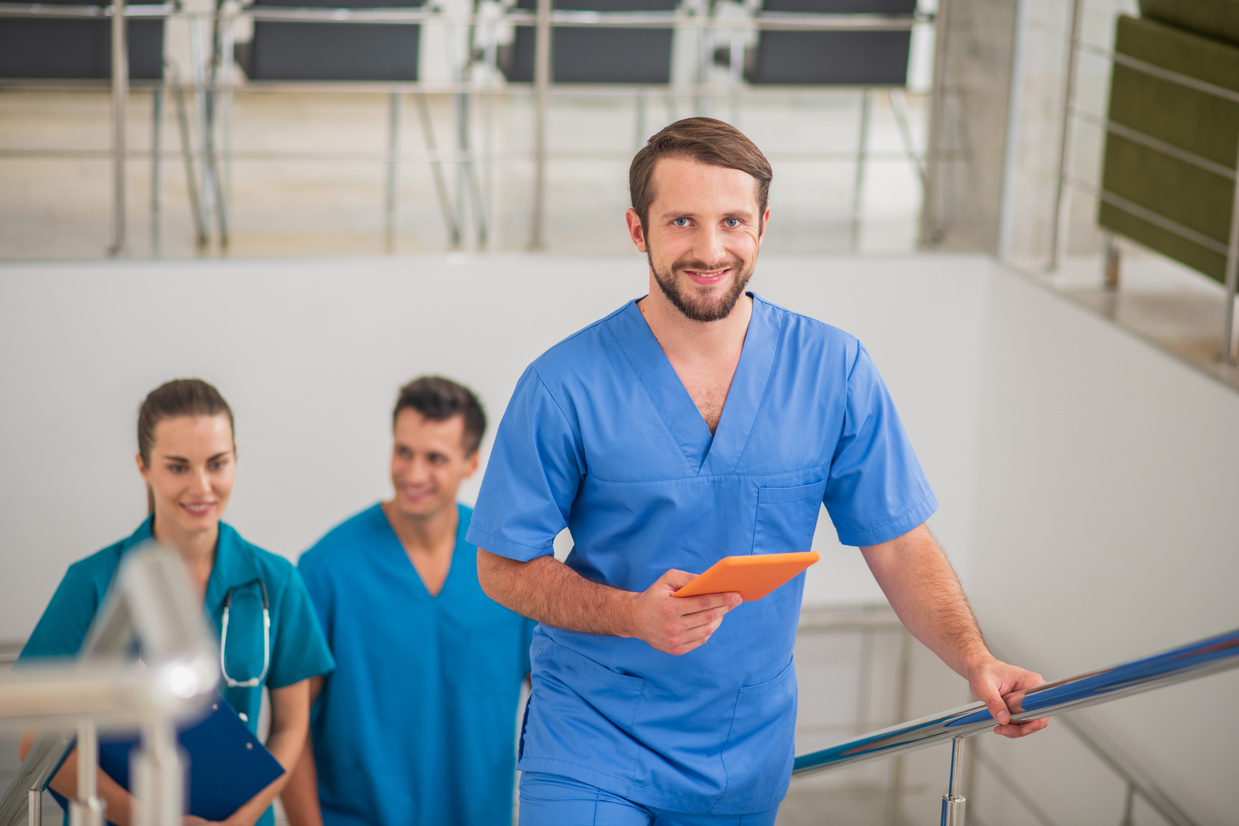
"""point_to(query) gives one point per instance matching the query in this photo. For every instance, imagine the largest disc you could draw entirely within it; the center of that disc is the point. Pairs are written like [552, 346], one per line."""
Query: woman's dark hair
[439, 399]
[706, 140]
[179, 397]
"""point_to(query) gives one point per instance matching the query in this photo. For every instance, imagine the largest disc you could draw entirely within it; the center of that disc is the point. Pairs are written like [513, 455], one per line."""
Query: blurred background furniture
[1172, 138]
[60, 44]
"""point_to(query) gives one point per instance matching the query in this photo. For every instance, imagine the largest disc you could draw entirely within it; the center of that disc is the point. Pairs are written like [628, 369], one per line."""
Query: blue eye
[732, 222]
[680, 222]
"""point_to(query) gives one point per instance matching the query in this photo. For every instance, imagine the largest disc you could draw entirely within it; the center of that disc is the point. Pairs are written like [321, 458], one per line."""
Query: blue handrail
[1187, 662]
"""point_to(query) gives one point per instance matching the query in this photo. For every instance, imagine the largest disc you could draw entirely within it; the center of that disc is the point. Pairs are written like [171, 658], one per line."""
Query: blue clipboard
[228, 765]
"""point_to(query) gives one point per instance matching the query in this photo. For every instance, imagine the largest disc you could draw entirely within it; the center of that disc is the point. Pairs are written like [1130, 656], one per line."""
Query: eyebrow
[186, 461]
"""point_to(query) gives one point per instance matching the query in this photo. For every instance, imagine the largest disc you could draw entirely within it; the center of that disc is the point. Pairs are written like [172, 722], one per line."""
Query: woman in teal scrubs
[187, 458]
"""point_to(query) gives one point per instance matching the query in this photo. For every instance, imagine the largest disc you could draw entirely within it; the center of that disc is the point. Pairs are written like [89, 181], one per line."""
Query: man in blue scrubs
[697, 422]
[417, 725]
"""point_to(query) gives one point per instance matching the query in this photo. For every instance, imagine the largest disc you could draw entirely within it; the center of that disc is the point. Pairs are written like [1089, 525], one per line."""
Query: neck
[430, 535]
[196, 549]
[696, 340]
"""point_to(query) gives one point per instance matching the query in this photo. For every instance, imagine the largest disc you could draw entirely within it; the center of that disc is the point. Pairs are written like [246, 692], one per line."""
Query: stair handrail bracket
[152, 608]
[1188, 662]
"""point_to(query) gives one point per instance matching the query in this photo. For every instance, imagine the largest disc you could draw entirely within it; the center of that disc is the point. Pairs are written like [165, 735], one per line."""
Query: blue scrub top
[601, 436]
[298, 649]
[417, 724]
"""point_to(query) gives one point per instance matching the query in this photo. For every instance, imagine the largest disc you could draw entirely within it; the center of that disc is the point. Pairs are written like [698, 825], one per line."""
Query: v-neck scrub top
[600, 436]
[298, 649]
[417, 725]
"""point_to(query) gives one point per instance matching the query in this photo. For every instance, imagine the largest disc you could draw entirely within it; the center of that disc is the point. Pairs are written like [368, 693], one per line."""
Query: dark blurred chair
[72, 51]
[863, 59]
[297, 52]
[838, 58]
[597, 54]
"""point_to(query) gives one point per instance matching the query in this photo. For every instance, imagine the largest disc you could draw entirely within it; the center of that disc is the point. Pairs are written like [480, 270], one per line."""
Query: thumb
[674, 580]
[996, 706]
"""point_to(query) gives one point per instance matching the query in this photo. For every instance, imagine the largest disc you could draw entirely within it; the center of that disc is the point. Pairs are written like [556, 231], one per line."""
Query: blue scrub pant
[551, 800]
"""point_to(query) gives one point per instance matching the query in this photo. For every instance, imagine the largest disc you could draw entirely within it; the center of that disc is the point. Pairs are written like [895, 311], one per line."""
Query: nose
[201, 482]
[418, 470]
[710, 247]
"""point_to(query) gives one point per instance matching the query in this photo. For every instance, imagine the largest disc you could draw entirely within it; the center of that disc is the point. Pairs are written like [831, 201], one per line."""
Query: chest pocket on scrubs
[787, 517]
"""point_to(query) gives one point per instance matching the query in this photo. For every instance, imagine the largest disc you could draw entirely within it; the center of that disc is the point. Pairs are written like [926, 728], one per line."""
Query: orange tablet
[752, 577]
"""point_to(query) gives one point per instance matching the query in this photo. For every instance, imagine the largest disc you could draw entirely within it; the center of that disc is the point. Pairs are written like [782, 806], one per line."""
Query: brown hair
[706, 140]
[439, 399]
[179, 397]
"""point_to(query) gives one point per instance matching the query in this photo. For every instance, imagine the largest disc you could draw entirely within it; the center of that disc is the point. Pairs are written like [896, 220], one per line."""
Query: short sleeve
[532, 477]
[317, 586]
[299, 650]
[62, 629]
[876, 490]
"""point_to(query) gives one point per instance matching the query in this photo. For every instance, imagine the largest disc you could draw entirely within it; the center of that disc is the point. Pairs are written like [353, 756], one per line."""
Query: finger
[994, 703]
[726, 600]
[1016, 730]
[704, 621]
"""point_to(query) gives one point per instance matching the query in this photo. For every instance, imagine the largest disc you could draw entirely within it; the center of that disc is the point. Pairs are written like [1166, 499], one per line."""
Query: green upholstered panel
[1218, 19]
[1186, 118]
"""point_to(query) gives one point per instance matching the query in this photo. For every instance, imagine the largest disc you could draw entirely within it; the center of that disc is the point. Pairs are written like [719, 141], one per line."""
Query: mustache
[733, 263]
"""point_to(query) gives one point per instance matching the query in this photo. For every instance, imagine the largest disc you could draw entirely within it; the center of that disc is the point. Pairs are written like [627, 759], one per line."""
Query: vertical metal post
[932, 219]
[1129, 806]
[395, 103]
[1114, 262]
[899, 107]
[436, 168]
[158, 786]
[120, 101]
[542, 84]
[1066, 146]
[1226, 351]
[903, 689]
[156, 166]
[191, 182]
[953, 802]
[861, 151]
[87, 809]
[34, 806]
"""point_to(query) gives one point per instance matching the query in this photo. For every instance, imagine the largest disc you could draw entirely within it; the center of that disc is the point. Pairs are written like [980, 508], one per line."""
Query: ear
[471, 464]
[635, 231]
[142, 469]
[765, 222]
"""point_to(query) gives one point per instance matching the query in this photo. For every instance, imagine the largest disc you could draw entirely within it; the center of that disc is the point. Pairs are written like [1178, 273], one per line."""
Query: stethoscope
[266, 637]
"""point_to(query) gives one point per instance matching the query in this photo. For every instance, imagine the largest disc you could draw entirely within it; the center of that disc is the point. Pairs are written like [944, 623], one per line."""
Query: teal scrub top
[417, 724]
[298, 649]
[601, 436]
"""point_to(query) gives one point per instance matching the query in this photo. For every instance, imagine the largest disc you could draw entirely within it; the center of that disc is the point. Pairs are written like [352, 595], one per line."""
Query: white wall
[310, 355]
[1106, 528]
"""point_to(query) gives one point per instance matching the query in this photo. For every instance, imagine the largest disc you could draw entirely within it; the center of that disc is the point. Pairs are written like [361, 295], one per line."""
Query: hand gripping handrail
[153, 602]
[1177, 665]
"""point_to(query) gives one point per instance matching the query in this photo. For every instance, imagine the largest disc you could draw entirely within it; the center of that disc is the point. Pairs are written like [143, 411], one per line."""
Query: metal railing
[1188, 662]
[543, 19]
[154, 602]
[1066, 182]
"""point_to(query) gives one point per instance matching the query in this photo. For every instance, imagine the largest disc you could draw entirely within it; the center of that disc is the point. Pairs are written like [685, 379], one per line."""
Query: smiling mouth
[199, 508]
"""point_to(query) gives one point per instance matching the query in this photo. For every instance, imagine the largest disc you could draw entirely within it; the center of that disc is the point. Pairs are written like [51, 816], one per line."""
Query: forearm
[290, 725]
[118, 803]
[300, 794]
[922, 587]
[550, 592]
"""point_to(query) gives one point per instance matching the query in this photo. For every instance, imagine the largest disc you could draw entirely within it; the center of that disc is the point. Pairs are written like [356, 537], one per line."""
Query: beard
[680, 293]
